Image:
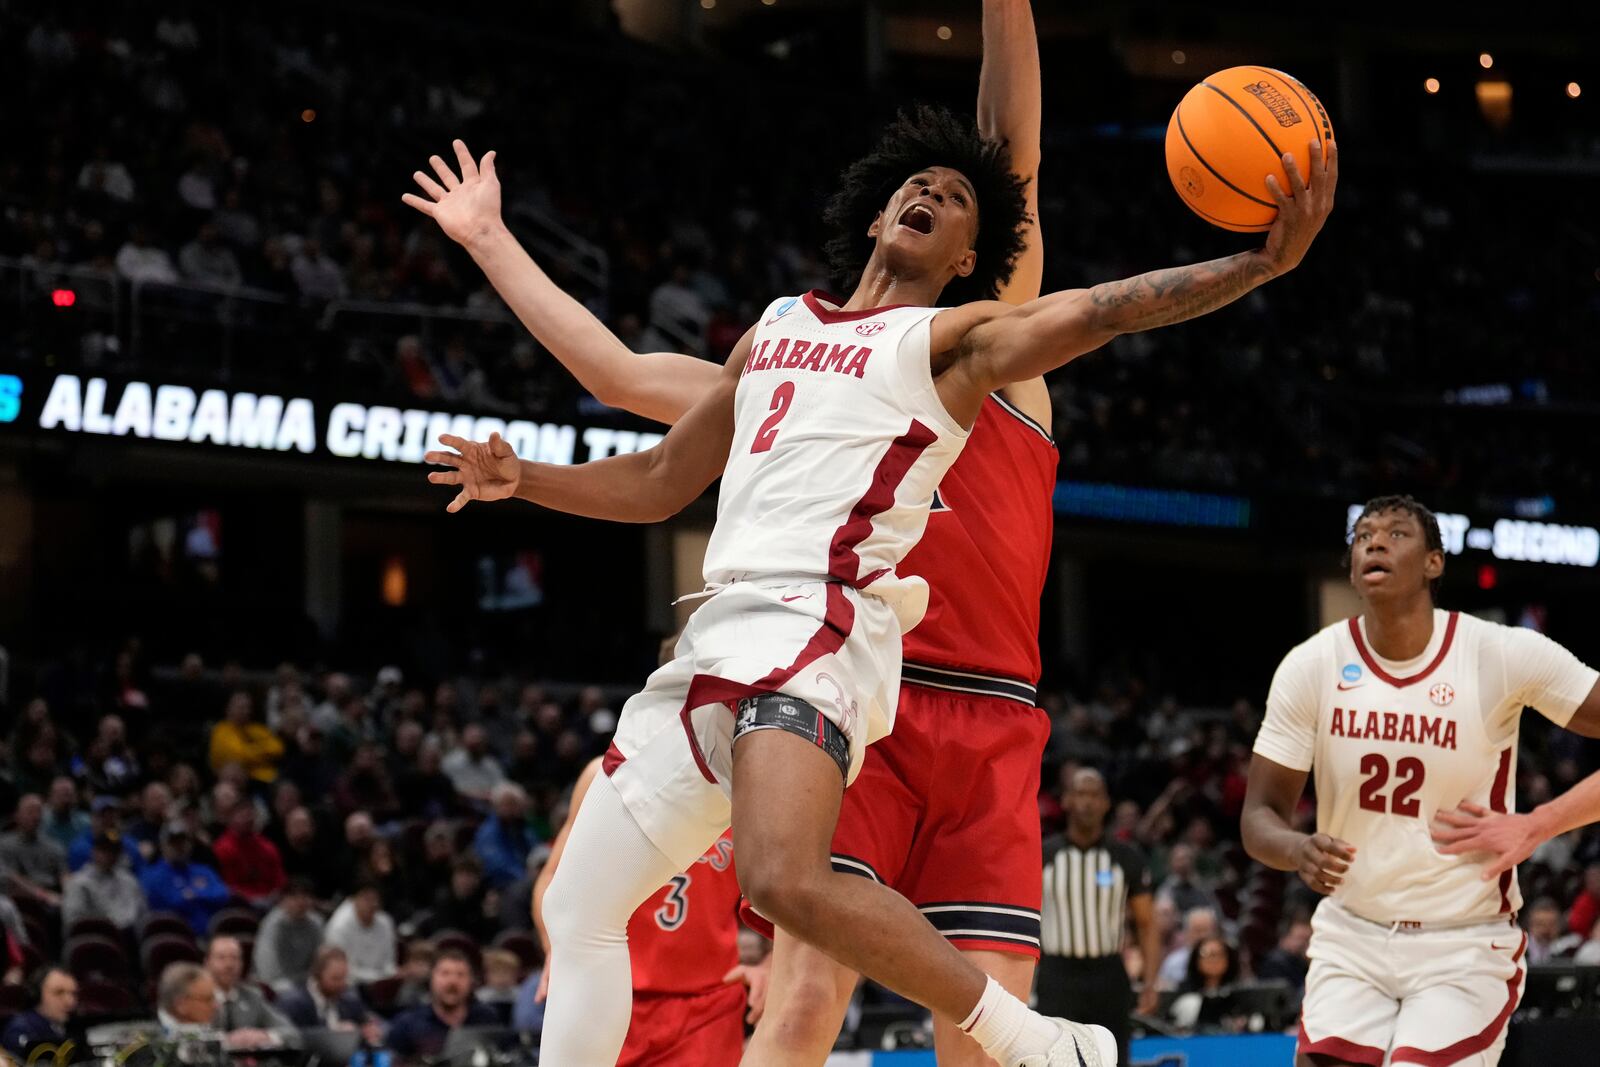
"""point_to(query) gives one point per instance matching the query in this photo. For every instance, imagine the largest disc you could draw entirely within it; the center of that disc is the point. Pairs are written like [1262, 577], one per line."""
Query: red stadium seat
[235, 921]
[13, 1001]
[382, 996]
[99, 1001]
[163, 949]
[97, 926]
[159, 923]
[93, 957]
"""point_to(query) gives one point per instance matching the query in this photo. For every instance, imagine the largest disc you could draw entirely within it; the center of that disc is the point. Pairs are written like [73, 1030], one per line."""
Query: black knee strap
[776, 711]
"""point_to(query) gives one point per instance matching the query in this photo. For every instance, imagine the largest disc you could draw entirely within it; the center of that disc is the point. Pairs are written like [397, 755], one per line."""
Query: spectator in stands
[1288, 961]
[105, 820]
[109, 763]
[415, 971]
[381, 867]
[106, 177]
[249, 863]
[287, 939]
[500, 982]
[426, 792]
[1586, 907]
[307, 763]
[421, 1032]
[326, 999]
[1198, 924]
[317, 277]
[460, 905]
[186, 998]
[1212, 971]
[244, 1016]
[141, 262]
[365, 785]
[155, 805]
[352, 729]
[1181, 885]
[359, 834]
[175, 883]
[104, 888]
[516, 899]
[43, 1030]
[305, 858]
[236, 739]
[424, 879]
[63, 820]
[1545, 941]
[206, 259]
[31, 864]
[365, 931]
[472, 770]
[503, 840]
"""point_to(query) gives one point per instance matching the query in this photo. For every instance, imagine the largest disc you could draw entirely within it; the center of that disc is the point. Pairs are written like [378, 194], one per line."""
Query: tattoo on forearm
[1163, 297]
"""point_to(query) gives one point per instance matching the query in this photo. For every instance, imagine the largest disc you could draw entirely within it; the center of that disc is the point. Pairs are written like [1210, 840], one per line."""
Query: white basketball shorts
[821, 642]
[1435, 996]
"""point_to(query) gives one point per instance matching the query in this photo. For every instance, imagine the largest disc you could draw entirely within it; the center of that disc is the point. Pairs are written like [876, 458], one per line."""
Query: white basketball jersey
[1391, 743]
[839, 442]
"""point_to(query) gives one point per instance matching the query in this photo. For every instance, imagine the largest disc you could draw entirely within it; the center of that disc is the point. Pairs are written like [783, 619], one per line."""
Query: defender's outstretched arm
[1009, 107]
[656, 385]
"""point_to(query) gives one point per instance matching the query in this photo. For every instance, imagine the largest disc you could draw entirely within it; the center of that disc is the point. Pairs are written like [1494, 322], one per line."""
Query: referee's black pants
[1093, 990]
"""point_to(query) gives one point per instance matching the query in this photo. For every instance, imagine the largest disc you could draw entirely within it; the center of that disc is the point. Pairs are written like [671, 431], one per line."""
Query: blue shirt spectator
[503, 840]
[527, 1014]
[175, 884]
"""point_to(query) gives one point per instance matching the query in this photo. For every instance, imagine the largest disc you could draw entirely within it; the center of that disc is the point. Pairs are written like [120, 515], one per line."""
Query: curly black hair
[1410, 505]
[924, 137]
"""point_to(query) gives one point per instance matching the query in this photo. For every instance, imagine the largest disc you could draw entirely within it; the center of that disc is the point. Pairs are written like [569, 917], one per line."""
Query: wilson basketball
[1231, 131]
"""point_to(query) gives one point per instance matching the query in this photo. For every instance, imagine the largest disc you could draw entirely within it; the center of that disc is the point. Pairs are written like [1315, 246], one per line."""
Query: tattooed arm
[981, 347]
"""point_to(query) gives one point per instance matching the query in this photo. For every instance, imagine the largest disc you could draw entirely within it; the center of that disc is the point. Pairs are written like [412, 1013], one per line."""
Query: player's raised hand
[466, 207]
[1506, 839]
[485, 470]
[1303, 207]
[1321, 861]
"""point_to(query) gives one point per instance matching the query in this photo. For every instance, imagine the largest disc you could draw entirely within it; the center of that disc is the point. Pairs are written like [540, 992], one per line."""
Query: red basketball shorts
[686, 1030]
[946, 812]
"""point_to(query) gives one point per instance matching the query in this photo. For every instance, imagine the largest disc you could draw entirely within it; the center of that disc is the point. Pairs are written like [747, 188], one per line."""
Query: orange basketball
[1231, 131]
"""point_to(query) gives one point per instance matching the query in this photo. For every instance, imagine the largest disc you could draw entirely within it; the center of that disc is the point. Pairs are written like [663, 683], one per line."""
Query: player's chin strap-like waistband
[955, 681]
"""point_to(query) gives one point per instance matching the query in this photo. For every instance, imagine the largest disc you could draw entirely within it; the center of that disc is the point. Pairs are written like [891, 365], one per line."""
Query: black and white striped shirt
[1086, 893]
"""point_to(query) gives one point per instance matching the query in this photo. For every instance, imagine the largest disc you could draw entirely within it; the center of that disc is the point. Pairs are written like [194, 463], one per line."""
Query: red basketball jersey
[987, 549]
[686, 937]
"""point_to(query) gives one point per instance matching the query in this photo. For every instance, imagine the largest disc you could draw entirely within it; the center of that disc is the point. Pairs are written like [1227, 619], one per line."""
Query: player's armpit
[1586, 720]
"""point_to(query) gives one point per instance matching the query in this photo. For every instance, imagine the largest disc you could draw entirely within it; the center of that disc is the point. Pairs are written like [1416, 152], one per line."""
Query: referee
[1090, 885]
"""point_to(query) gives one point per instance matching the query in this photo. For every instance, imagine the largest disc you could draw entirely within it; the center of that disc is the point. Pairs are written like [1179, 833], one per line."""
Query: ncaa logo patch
[10, 397]
[1351, 672]
[1441, 695]
[867, 329]
[783, 309]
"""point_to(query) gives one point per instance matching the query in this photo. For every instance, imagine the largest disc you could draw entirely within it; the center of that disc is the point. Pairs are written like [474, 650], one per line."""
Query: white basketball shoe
[1079, 1045]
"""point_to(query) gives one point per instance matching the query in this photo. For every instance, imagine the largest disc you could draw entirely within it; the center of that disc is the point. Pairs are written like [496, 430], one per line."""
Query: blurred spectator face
[499, 970]
[242, 820]
[464, 881]
[337, 687]
[418, 963]
[358, 831]
[299, 829]
[550, 718]
[1200, 835]
[451, 983]
[224, 801]
[176, 847]
[428, 758]
[525, 747]
[444, 698]
[296, 902]
[58, 997]
[334, 978]
[365, 758]
[367, 903]
[285, 798]
[192, 667]
[105, 856]
[509, 804]
[1181, 861]
[112, 732]
[529, 700]
[1213, 956]
[752, 947]
[198, 1005]
[473, 740]
[438, 844]
[183, 781]
[30, 810]
[1126, 818]
[154, 802]
[1199, 924]
[1297, 939]
[224, 962]
[1087, 800]
[569, 746]
[63, 796]
[591, 699]
[408, 740]
[239, 709]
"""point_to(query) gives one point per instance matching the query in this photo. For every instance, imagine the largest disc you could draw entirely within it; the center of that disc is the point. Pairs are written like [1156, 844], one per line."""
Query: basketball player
[689, 995]
[1404, 711]
[831, 426]
[962, 846]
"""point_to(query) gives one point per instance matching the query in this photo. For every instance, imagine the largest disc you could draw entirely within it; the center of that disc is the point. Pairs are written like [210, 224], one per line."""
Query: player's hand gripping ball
[1231, 131]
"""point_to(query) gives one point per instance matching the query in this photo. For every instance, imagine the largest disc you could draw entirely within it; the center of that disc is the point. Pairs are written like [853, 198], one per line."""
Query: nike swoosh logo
[802, 596]
[1346, 688]
[1081, 1061]
[1500, 948]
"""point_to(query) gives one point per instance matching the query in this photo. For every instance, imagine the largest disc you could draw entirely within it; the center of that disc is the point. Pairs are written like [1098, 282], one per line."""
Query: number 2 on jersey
[782, 397]
[1403, 801]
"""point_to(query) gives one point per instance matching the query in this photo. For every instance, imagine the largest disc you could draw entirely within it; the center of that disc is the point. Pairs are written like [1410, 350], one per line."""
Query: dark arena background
[225, 344]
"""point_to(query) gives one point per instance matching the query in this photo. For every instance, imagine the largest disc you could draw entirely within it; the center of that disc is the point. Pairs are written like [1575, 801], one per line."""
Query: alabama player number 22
[1409, 774]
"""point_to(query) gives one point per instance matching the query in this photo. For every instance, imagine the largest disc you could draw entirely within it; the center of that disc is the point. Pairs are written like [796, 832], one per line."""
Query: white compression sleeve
[608, 869]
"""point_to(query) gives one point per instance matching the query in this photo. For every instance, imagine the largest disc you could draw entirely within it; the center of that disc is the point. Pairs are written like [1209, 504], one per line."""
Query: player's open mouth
[918, 217]
[1374, 568]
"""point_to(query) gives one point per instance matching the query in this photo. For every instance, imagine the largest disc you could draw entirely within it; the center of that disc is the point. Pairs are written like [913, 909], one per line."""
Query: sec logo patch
[1441, 695]
[867, 329]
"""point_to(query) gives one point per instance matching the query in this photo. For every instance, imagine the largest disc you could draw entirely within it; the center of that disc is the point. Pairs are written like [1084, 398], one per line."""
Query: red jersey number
[782, 397]
[1409, 774]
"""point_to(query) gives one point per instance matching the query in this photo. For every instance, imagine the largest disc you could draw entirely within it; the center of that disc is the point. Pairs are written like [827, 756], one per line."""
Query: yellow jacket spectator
[253, 745]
